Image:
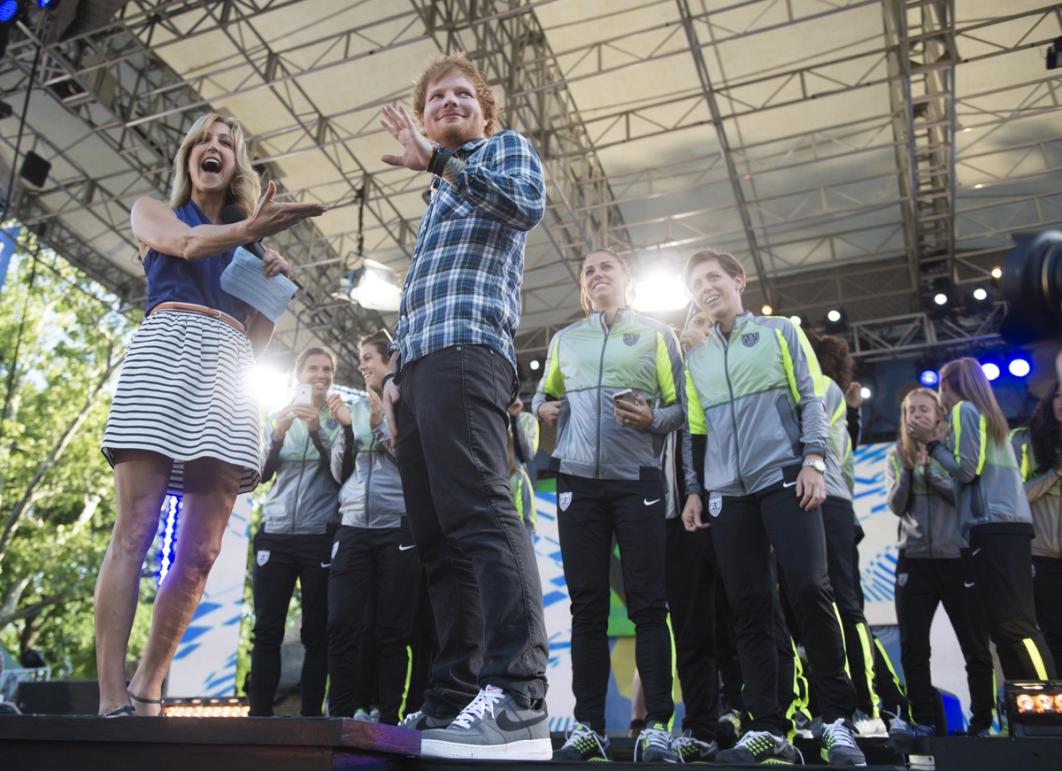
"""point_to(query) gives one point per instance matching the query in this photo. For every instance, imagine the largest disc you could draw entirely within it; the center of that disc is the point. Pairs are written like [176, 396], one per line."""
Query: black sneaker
[839, 746]
[583, 743]
[693, 750]
[420, 721]
[759, 747]
[655, 744]
[492, 727]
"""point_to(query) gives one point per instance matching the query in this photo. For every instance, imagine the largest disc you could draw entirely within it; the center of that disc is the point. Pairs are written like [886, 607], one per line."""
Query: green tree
[61, 341]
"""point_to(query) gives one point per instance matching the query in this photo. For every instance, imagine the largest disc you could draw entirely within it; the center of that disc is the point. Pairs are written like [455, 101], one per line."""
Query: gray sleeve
[339, 446]
[898, 483]
[814, 424]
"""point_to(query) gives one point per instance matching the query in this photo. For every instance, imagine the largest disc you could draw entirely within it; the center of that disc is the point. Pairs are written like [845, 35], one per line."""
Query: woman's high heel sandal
[140, 700]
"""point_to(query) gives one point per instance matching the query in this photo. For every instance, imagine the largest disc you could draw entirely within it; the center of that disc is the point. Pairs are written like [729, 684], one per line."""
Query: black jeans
[1047, 591]
[483, 579]
[838, 520]
[743, 533]
[922, 585]
[589, 513]
[1003, 570]
[374, 568]
[280, 560]
[691, 586]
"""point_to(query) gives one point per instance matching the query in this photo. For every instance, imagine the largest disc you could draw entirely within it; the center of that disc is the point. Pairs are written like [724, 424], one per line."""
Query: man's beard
[455, 136]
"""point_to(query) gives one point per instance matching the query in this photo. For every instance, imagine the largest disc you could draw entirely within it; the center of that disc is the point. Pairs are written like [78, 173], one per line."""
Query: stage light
[940, 299]
[865, 392]
[49, 4]
[1034, 707]
[1019, 366]
[930, 378]
[766, 310]
[980, 294]
[534, 364]
[798, 320]
[997, 272]
[8, 10]
[991, 370]
[232, 706]
[836, 321]
[660, 291]
[372, 286]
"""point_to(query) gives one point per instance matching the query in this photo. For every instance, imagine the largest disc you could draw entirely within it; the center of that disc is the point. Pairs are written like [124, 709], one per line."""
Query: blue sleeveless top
[174, 279]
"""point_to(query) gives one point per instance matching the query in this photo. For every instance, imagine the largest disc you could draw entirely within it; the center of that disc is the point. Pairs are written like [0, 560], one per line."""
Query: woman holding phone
[757, 439]
[181, 421]
[294, 541]
[613, 387]
[994, 514]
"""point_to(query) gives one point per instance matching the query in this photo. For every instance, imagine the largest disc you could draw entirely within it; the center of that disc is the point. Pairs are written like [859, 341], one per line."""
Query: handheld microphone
[232, 214]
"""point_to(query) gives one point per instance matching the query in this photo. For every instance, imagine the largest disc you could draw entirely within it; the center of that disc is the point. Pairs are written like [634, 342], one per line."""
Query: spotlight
[865, 392]
[48, 4]
[797, 320]
[940, 299]
[372, 286]
[1034, 707]
[660, 291]
[997, 272]
[8, 10]
[836, 321]
[991, 370]
[1019, 366]
[534, 364]
[930, 378]
[766, 310]
[980, 294]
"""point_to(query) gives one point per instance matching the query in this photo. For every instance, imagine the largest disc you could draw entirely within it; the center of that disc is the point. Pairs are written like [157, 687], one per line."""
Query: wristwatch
[815, 463]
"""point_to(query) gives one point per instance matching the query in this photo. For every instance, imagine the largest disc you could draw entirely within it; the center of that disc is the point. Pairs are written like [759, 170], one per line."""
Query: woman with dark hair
[292, 544]
[374, 560]
[993, 512]
[758, 438]
[181, 420]
[932, 571]
[613, 386]
[1039, 452]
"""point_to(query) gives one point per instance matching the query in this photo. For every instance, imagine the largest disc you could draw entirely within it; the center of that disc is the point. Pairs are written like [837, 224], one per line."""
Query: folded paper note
[246, 280]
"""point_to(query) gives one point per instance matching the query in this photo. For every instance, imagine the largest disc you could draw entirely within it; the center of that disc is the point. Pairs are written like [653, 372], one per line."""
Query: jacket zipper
[600, 380]
[733, 412]
[298, 484]
[929, 508]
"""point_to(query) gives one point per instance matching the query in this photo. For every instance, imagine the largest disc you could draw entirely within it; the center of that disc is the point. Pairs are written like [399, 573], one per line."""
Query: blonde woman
[993, 514]
[931, 571]
[181, 421]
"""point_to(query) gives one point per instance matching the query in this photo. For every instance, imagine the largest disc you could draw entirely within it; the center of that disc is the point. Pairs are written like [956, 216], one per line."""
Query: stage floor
[29, 743]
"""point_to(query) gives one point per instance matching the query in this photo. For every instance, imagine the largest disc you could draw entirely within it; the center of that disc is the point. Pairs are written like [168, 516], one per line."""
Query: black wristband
[437, 162]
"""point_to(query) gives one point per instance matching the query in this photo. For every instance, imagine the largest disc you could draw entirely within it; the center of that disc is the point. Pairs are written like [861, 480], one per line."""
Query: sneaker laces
[837, 734]
[479, 706]
[652, 737]
[757, 742]
[583, 737]
[412, 718]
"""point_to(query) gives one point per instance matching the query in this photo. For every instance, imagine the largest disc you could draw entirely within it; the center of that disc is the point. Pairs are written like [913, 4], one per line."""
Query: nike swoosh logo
[648, 502]
[407, 548]
[970, 585]
[326, 564]
[506, 723]
[788, 484]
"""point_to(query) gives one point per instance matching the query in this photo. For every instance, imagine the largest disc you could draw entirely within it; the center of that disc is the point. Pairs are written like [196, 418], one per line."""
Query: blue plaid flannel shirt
[463, 284]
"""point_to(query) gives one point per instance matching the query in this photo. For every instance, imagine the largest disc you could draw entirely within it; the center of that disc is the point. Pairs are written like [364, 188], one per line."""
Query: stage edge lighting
[1034, 707]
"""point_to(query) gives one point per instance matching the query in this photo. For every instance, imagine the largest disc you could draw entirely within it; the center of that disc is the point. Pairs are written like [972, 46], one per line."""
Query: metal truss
[912, 333]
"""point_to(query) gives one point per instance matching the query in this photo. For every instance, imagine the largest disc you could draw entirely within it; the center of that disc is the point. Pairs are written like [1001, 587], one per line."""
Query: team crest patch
[262, 557]
[564, 500]
[630, 338]
[901, 579]
[750, 339]
[715, 504]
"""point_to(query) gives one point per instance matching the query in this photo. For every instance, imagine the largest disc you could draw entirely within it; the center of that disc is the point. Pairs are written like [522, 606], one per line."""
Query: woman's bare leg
[210, 489]
[140, 479]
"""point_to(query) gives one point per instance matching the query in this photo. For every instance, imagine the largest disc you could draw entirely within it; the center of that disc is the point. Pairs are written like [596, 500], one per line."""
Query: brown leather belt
[204, 310]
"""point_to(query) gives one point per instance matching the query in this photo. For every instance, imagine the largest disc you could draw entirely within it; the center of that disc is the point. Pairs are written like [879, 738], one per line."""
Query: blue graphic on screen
[169, 521]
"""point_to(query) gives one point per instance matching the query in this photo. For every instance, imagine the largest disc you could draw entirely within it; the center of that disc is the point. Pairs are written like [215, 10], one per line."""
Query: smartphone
[303, 393]
[627, 395]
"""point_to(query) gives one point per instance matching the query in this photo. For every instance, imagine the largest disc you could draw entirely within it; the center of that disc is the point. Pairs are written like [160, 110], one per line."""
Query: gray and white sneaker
[759, 747]
[690, 749]
[839, 746]
[492, 727]
[422, 721]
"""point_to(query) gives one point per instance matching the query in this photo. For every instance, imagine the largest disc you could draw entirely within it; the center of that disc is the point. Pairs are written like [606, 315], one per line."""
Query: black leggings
[589, 513]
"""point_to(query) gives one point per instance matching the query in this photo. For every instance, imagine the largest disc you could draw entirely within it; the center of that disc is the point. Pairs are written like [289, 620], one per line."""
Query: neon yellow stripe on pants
[1035, 657]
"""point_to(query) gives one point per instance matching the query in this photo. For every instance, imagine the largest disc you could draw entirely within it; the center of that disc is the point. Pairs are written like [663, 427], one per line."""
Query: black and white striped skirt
[182, 392]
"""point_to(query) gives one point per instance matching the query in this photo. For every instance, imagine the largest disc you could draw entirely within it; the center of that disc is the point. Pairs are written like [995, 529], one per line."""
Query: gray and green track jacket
[523, 497]
[588, 363]
[753, 396]
[840, 467]
[1044, 492]
[304, 498]
[924, 500]
[988, 488]
[371, 492]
